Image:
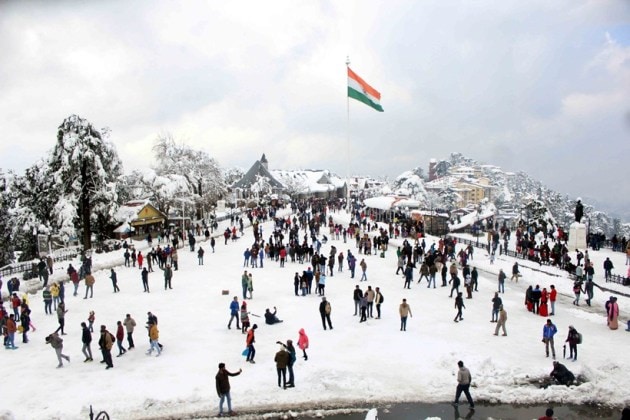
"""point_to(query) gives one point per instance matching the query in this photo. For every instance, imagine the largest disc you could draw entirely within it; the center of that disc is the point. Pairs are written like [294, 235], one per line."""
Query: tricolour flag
[358, 89]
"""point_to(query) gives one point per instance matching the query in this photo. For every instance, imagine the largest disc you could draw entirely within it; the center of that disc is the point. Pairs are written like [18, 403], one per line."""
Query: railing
[30, 267]
[614, 278]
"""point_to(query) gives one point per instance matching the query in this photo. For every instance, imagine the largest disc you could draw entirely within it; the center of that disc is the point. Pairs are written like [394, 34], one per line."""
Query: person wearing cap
[572, 339]
[223, 388]
[324, 311]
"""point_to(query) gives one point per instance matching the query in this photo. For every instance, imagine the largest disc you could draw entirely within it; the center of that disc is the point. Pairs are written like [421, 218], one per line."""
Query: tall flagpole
[348, 144]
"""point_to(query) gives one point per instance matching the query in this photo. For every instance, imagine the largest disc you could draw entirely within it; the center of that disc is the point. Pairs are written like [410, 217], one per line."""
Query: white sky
[537, 86]
[364, 363]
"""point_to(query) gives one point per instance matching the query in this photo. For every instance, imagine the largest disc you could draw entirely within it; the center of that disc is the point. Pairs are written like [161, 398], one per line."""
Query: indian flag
[358, 89]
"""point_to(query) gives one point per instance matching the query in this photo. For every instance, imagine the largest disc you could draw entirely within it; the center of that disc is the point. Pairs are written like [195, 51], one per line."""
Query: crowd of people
[287, 245]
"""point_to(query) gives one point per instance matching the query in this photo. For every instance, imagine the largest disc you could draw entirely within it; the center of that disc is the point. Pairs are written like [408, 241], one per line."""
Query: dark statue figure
[579, 211]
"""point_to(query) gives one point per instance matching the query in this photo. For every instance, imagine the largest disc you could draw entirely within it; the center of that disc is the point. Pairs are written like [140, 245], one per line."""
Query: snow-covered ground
[369, 362]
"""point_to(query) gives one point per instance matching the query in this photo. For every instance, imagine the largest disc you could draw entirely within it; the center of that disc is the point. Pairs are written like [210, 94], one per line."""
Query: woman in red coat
[303, 342]
[544, 297]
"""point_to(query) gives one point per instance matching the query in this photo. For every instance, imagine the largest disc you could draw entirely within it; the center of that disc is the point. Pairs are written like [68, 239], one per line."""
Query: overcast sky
[539, 86]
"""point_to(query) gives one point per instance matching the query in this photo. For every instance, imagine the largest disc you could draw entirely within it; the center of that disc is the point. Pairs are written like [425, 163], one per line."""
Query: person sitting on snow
[270, 317]
[561, 374]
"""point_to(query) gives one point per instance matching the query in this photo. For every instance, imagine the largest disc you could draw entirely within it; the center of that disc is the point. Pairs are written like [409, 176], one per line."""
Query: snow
[352, 363]
[390, 202]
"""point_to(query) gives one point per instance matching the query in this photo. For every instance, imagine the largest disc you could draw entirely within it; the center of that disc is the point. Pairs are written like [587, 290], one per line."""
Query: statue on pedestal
[579, 211]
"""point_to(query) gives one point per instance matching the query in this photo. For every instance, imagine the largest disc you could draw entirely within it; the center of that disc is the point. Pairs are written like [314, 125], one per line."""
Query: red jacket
[11, 326]
[250, 337]
[120, 333]
[552, 295]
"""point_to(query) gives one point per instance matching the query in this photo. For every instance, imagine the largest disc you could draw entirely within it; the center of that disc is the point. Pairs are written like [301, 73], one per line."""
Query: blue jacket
[549, 331]
[234, 308]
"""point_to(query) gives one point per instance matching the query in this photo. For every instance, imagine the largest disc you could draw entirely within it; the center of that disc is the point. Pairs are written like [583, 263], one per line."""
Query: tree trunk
[85, 210]
[199, 205]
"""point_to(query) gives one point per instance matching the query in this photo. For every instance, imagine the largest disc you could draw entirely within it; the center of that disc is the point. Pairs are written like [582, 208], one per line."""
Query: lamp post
[477, 227]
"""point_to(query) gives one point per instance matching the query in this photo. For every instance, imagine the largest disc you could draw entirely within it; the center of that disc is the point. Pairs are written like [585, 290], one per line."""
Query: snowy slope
[355, 362]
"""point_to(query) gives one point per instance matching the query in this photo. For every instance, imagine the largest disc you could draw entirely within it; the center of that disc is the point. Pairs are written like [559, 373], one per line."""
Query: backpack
[327, 308]
[579, 338]
[382, 297]
[113, 337]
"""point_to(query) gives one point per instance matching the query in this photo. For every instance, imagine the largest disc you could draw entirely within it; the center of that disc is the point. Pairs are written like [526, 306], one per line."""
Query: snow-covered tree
[6, 242]
[34, 198]
[261, 187]
[231, 175]
[200, 170]
[165, 192]
[294, 185]
[85, 168]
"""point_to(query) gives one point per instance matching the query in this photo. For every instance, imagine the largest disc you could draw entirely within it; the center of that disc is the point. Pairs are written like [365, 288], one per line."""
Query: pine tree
[85, 168]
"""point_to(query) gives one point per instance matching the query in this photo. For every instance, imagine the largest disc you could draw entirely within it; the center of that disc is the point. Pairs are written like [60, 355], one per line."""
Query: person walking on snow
[120, 335]
[459, 305]
[404, 310]
[114, 278]
[303, 343]
[249, 341]
[234, 313]
[501, 322]
[363, 266]
[57, 343]
[496, 306]
[86, 339]
[463, 385]
[515, 273]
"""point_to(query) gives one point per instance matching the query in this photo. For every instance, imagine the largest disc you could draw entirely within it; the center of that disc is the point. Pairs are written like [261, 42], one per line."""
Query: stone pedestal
[577, 236]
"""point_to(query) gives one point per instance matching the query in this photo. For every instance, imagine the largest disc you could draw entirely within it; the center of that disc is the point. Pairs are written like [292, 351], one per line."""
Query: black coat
[86, 336]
